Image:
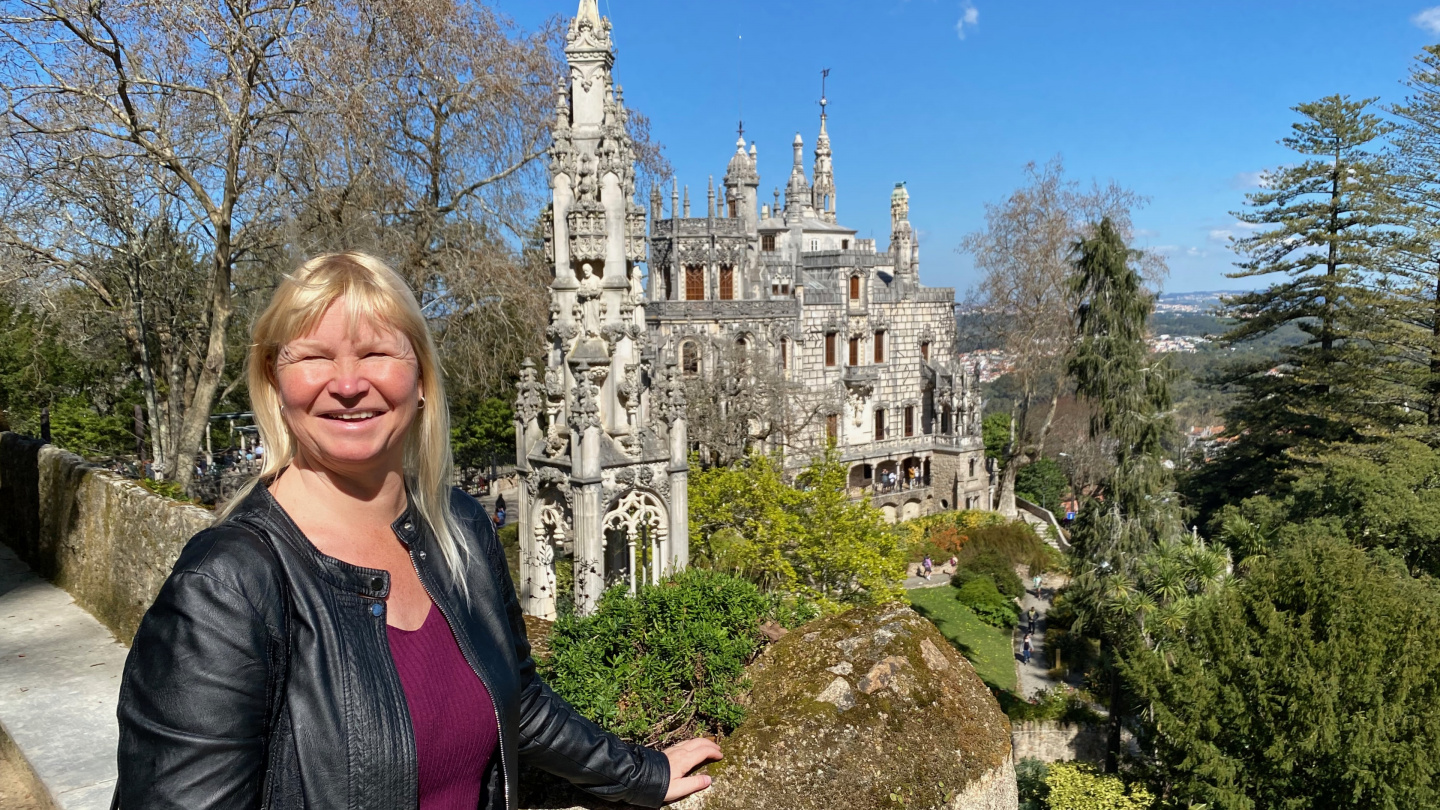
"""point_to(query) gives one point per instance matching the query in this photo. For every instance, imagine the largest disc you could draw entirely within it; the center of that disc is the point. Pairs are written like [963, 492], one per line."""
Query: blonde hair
[374, 294]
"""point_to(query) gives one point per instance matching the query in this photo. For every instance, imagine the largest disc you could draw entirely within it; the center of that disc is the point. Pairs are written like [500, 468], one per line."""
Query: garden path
[1034, 677]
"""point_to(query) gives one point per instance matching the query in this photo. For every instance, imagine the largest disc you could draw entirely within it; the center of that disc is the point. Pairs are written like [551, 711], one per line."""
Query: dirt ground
[14, 790]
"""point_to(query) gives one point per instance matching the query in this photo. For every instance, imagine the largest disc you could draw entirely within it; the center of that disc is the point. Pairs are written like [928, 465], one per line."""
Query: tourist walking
[929, 567]
[1025, 649]
[347, 634]
[1033, 617]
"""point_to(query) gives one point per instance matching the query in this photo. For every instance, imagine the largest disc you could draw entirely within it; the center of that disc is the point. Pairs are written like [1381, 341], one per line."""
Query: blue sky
[1180, 101]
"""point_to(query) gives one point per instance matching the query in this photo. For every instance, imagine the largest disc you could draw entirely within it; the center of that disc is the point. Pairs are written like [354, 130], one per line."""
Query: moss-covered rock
[865, 710]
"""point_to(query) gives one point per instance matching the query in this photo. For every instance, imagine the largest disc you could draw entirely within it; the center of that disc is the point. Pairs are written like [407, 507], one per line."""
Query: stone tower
[601, 439]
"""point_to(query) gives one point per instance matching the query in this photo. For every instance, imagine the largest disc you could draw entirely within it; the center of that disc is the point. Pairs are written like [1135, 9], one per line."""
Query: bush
[1074, 786]
[943, 534]
[986, 602]
[1014, 541]
[1030, 776]
[1056, 704]
[668, 663]
[994, 565]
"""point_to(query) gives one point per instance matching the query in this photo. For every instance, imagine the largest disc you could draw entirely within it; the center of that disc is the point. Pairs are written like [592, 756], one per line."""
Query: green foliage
[77, 427]
[809, 539]
[1057, 704]
[481, 429]
[986, 601]
[168, 489]
[944, 533]
[1015, 541]
[1030, 776]
[668, 663]
[1044, 483]
[1313, 682]
[988, 648]
[1075, 786]
[996, 567]
[995, 430]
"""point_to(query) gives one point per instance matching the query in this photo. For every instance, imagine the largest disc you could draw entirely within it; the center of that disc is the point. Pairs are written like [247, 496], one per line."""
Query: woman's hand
[684, 758]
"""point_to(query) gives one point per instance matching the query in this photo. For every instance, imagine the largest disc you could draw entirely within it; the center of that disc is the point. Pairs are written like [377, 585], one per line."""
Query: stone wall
[101, 537]
[1049, 741]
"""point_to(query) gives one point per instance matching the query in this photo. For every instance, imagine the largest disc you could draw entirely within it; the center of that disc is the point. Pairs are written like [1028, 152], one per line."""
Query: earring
[422, 401]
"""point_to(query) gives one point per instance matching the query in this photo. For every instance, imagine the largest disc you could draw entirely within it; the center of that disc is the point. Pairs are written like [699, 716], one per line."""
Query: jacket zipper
[494, 701]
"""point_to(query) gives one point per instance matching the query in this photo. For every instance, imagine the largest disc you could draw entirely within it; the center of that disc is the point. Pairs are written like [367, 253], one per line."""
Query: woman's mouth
[351, 416]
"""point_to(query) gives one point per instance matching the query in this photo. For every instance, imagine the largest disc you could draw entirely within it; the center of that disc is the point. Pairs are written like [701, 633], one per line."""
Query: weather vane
[823, 75]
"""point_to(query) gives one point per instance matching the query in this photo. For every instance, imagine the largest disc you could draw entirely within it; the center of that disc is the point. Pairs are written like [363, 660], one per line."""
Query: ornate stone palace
[602, 439]
[872, 350]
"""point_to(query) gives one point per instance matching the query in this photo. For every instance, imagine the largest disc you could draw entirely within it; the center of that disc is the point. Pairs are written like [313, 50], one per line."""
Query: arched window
[784, 353]
[830, 348]
[727, 282]
[854, 288]
[854, 351]
[909, 420]
[880, 346]
[972, 468]
[925, 350]
[879, 424]
[689, 359]
[694, 283]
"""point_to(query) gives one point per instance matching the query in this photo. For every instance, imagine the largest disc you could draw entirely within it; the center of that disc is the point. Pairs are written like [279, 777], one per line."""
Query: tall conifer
[1327, 226]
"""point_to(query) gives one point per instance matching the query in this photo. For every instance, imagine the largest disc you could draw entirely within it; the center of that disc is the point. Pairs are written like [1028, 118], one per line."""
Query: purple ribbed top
[451, 711]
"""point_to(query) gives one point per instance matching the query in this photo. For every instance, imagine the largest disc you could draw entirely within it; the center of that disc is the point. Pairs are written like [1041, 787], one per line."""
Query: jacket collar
[261, 507]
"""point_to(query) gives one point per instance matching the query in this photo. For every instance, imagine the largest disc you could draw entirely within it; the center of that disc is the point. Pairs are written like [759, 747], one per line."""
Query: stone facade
[600, 441]
[872, 348]
[103, 538]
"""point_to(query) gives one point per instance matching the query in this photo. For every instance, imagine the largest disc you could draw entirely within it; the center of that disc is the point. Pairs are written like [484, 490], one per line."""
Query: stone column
[678, 554]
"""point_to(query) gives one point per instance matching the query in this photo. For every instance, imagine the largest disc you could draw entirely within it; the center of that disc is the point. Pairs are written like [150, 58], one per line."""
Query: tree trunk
[197, 411]
[1117, 718]
[1005, 502]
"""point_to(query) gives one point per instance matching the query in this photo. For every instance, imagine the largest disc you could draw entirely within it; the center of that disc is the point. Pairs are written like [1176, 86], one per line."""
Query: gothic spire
[824, 171]
[797, 192]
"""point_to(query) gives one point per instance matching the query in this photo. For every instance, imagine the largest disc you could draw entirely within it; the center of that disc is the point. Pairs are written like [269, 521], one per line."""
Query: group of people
[926, 567]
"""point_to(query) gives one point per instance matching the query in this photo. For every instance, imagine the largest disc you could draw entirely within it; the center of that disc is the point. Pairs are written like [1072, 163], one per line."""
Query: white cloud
[1429, 20]
[969, 18]
[1196, 252]
[1258, 179]
[1221, 236]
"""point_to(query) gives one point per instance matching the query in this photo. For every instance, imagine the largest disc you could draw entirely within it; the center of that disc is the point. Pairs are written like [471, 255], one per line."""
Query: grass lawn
[986, 647]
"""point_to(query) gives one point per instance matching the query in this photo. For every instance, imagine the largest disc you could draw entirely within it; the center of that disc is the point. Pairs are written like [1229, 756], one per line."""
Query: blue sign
[1069, 515]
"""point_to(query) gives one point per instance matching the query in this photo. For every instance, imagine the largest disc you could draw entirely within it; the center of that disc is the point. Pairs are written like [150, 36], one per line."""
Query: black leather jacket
[262, 678]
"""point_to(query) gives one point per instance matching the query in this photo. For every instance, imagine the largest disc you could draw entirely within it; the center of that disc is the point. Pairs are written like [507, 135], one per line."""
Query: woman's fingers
[685, 757]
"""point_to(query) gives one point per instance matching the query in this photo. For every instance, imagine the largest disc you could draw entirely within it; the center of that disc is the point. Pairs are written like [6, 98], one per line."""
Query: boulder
[868, 709]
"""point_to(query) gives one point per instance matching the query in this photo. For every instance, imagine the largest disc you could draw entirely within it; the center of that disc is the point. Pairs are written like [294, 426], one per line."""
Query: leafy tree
[995, 429]
[481, 430]
[1023, 255]
[809, 539]
[1314, 682]
[1043, 482]
[846, 551]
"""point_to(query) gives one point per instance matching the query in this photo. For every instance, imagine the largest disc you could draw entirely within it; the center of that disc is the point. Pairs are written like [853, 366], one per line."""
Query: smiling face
[349, 396]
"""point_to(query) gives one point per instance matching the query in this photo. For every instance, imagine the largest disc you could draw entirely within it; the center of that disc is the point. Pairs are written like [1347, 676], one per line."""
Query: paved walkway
[941, 576]
[1034, 677]
[59, 683]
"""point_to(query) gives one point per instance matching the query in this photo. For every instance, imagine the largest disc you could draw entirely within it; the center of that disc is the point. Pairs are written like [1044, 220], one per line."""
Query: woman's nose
[348, 382]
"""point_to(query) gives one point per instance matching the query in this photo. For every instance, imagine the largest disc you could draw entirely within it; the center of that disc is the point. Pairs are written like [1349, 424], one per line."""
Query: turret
[742, 184]
[824, 172]
[903, 248]
[797, 192]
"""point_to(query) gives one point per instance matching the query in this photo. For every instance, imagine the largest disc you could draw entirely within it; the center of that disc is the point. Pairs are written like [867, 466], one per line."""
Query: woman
[348, 636]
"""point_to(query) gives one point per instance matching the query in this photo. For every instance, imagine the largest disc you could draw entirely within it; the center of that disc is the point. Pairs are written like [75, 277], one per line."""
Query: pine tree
[1414, 269]
[1328, 224]
[1132, 558]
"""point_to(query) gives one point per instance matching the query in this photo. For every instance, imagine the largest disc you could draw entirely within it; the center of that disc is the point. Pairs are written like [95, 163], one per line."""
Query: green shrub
[1030, 776]
[986, 602]
[668, 663]
[1016, 542]
[1055, 704]
[991, 563]
[1074, 786]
